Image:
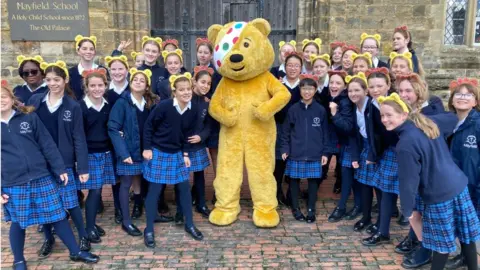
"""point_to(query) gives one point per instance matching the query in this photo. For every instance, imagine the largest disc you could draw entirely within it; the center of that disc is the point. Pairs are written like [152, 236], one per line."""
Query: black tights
[312, 192]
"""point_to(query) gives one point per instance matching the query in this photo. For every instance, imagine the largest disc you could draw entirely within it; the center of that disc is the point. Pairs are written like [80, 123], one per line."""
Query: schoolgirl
[96, 111]
[340, 111]
[465, 102]
[167, 162]
[382, 143]
[122, 46]
[30, 71]
[118, 66]
[173, 64]
[125, 128]
[30, 196]
[347, 62]
[86, 49]
[400, 63]
[62, 116]
[152, 49]
[336, 52]
[306, 119]
[371, 44]
[402, 43]
[291, 80]
[361, 62]
[285, 48]
[321, 66]
[170, 45]
[422, 156]
[309, 47]
[138, 59]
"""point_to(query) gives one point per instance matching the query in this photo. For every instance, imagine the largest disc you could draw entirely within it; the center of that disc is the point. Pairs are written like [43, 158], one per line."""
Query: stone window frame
[472, 19]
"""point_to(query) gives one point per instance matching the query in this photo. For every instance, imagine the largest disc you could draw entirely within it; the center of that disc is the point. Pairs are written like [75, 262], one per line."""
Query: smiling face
[151, 52]
[336, 85]
[6, 101]
[400, 65]
[31, 74]
[204, 55]
[407, 93]
[96, 87]
[56, 84]
[309, 50]
[139, 83]
[139, 60]
[391, 116]
[347, 59]
[173, 64]
[320, 68]
[360, 65]
[183, 91]
[203, 84]
[377, 87]
[293, 67]
[370, 45]
[356, 93]
[86, 51]
[118, 71]
[307, 92]
[463, 100]
[337, 55]
[287, 48]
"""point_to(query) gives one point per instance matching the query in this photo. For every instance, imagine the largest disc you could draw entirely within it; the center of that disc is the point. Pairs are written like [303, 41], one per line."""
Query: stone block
[52, 48]
[419, 10]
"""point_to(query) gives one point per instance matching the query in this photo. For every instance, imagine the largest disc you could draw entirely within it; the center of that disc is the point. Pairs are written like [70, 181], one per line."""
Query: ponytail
[425, 124]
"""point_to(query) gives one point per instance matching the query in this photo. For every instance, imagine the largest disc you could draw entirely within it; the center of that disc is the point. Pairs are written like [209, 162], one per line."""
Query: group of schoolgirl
[67, 130]
[390, 149]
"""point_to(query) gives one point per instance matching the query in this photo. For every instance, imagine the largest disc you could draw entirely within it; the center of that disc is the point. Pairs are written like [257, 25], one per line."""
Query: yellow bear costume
[244, 104]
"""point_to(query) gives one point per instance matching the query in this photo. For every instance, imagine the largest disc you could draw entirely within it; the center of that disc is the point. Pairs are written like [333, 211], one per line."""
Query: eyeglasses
[27, 73]
[293, 66]
[369, 47]
[464, 96]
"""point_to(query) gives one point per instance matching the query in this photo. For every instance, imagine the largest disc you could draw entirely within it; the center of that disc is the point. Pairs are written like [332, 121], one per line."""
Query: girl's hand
[284, 156]
[64, 178]
[147, 154]
[355, 165]
[324, 160]
[187, 161]
[84, 177]
[206, 99]
[4, 199]
[333, 108]
[370, 162]
[194, 139]
[124, 44]
[128, 160]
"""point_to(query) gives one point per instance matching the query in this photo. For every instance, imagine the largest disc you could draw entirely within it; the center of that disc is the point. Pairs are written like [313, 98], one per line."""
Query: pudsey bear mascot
[244, 104]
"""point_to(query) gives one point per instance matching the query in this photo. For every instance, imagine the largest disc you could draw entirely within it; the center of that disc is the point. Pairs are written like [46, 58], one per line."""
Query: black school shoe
[375, 240]
[456, 262]
[361, 225]
[163, 207]
[131, 230]
[372, 229]
[403, 221]
[99, 230]
[149, 239]
[40, 228]
[137, 211]
[336, 215]
[419, 257]
[118, 216]
[178, 219]
[46, 248]
[85, 257]
[93, 237]
[195, 233]
[406, 246]
[353, 214]
[163, 219]
[298, 215]
[21, 265]
[204, 211]
[311, 216]
[85, 244]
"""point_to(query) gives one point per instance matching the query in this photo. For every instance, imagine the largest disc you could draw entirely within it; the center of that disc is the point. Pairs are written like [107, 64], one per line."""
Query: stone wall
[110, 20]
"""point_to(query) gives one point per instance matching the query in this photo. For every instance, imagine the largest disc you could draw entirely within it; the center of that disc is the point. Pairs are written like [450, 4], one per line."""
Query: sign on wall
[49, 20]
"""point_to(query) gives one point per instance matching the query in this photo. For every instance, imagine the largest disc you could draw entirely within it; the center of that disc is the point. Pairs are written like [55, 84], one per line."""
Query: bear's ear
[213, 31]
[262, 25]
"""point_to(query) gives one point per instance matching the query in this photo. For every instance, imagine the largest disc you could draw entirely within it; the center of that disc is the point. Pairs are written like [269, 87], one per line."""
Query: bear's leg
[260, 162]
[227, 183]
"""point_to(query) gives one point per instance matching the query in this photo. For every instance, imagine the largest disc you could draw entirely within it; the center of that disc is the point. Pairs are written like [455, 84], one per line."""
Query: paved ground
[292, 245]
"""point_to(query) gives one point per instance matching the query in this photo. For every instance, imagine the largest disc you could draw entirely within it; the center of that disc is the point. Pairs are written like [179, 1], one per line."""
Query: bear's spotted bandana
[227, 42]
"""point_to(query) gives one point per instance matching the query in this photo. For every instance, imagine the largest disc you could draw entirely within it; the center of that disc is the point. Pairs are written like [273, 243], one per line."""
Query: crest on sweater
[316, 122]
[25, 128]
[470, 142]
[67, 116]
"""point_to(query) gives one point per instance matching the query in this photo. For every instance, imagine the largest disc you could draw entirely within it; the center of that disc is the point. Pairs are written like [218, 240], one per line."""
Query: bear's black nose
[236, 58]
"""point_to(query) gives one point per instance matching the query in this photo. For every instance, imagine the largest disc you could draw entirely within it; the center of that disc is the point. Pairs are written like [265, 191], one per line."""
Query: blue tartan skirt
[364, 173]
[165, 168]
[303, 169]
[386, 175]
[101, 171]
[68, 193]
[419, 204]
[199, 160]
[346, 157]
[129, 169]
[443, 222]
[35, 202]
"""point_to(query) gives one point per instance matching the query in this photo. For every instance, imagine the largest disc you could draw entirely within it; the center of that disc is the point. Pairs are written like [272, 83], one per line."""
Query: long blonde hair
[17, 105]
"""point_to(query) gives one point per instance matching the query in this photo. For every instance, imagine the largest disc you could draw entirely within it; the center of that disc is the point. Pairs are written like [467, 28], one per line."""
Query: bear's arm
[226, 116]
[280, 97]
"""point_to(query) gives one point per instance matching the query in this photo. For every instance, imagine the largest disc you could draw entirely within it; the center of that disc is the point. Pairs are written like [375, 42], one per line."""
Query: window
[462, 25]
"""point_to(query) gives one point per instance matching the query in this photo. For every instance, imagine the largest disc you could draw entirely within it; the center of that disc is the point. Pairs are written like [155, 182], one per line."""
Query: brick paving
[292, 245]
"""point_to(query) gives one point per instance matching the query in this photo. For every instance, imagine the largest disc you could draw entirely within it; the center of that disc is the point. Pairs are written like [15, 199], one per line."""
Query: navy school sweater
[379, 137]
[123, 129]
[95, 126]
[27, 147]
[112, 96]
[426, 167]
[277, 72]
[76, 81]
[341, 124]
[23, 93]
[71, 136]
[305, 133]
[435, 106]
[203, 124]
[356, 141]
[166, 129]
[159, 74]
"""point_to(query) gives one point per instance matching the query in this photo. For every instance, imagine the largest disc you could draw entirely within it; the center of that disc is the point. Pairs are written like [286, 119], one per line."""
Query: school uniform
[76, 79]
[114, 93]
[432, 106]
[414, 61]
[213, 138]
[163, 88]
[216, 77]
[449, 212]
[377, 63]
[159, 73]
[26, 148]
[24, 93]
[278, 71]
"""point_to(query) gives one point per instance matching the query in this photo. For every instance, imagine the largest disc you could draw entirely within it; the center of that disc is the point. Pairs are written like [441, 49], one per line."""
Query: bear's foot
[266, 220]
[223, 218]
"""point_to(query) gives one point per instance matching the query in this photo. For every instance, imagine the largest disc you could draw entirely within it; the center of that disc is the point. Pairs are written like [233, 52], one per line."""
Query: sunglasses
[27, 73]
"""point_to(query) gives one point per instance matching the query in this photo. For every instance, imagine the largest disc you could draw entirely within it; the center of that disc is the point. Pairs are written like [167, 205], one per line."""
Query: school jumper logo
[471, 142]
[316, 122]
[204, 112]
[25, 128]
[67, 116]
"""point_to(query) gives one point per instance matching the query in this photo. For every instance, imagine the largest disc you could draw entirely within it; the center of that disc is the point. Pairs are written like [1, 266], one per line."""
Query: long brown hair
[17, 105]
[61, 73]
[150, 98]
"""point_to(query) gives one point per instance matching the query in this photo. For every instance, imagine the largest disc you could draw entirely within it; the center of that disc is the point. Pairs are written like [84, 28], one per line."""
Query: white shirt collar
[364, 106]
[281, 67]
[44, 84]
[425, 104]
[285, 81]
[140, 105]
[52, 107]
[375, 62]
[81, 68]
[375, 103]
[9, 118]
[177, 106]
[90, 104]
[118, 90]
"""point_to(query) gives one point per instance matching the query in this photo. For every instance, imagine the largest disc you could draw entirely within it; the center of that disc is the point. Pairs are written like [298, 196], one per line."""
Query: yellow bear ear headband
[406, 55]
[366, 55]
[60, 64]
[395, 98]
[147, 73]
[360, 76]
[316, 41]
[376, 37]
[174, 78]
[135, 54]
[121, 58]
[80, 38]
[158, 40]
[292, 43]
[21, 59]
[178, 52]
[325, 57]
